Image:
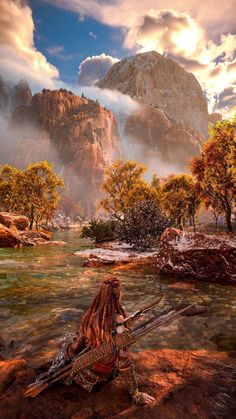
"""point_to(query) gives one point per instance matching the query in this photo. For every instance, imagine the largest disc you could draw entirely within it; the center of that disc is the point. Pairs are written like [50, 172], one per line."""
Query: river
[45, 289]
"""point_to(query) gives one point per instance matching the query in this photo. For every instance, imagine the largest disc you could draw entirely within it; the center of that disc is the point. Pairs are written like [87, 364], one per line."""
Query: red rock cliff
[76, 133]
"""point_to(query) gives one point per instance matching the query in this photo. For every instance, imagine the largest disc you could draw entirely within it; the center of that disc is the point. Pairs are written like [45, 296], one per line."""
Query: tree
[39, 192]
[7, 187]
[143, 224]
[32, 192]
[180, 198]
[125, 186]
[215, 169]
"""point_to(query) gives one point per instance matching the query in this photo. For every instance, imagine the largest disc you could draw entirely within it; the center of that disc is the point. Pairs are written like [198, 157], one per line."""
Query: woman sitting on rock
[105, 315]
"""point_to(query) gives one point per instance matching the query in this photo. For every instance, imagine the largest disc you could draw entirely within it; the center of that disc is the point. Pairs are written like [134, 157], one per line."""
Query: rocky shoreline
[188, 256]
[14, 232]
[185, 384]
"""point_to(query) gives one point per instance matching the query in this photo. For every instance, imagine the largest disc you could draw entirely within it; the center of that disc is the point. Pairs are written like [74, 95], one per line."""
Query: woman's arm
[127, 373]
[76, 345]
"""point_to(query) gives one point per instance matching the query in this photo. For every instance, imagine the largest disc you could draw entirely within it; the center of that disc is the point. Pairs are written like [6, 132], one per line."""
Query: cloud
[211, 14]
[166, 32]
[55, 49]
[200, 40]
[18, 56]
[92, 69]
[227, 100]
[179, 37]
[93, 35]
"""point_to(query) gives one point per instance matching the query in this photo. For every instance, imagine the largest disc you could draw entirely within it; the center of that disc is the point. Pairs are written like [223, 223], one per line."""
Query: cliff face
[76, 133]
[13, 96]
[154, 80]
[172, 120]
[156, 136]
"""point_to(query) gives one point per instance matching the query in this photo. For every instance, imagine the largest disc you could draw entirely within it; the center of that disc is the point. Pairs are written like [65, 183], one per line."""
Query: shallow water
[45, 289]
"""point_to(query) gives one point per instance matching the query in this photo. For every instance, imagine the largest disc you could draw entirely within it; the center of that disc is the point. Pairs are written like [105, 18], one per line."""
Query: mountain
[12, 96]
[173, 109]
[75, 133]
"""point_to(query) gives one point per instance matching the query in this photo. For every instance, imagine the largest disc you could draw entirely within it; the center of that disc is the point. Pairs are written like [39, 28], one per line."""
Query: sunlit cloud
[18, 56]
[200, 41]
[92, 69]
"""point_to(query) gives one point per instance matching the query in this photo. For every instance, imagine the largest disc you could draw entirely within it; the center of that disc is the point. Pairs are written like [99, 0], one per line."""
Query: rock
[55, 243]
[215, 117]
[106, 256]
[12, 220]
[152, 79]
[153, 136]
[197, 256]
[73, 132]
[185, 384]
[9, 237]
[8, 371]
[13, 96]
[21, 95]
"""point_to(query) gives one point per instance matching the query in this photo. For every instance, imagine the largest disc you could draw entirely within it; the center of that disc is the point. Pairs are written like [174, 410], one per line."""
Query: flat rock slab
[107, 256]
[185, 384]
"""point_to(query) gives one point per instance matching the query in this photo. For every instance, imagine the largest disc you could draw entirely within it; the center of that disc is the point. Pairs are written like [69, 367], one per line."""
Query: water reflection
[45, 290]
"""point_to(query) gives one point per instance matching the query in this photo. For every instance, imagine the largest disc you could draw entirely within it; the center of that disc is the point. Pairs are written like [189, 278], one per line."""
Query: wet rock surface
[185, 384]
[114, 254]
[197, 256]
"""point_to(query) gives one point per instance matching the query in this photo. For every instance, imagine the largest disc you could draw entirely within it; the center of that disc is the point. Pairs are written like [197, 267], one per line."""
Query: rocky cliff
[76, 133]
[12, 96]
[172, 120]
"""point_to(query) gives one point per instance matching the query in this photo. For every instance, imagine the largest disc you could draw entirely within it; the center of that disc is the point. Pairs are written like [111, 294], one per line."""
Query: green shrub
[99, 231]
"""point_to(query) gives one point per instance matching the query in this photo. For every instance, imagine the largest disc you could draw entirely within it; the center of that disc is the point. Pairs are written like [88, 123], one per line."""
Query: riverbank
[185, 384]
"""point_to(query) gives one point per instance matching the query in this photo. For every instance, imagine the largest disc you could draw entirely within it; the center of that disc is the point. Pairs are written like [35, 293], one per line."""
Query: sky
[56, 43]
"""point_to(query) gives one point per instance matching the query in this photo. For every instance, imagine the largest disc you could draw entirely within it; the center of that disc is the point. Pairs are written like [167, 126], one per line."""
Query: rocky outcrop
[156, 137]
[215, 117]
[9, 237]
[21, 94]
[185, 384]
[76, 133]
[197, 256]
[13, 96]
[152, 79]
[20, 222]
[172, 122]
[14, 233]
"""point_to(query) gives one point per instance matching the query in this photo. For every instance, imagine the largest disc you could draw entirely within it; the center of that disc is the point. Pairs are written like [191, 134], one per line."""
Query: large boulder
[197, 256]
[185, 384]
[20, 222]
[9, 237]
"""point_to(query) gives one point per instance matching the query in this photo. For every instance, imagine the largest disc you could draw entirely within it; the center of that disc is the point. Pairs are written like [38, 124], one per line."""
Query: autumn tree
[32, 192]
[215, 169]
[7, 187]
[180, 198]
[124, 186]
